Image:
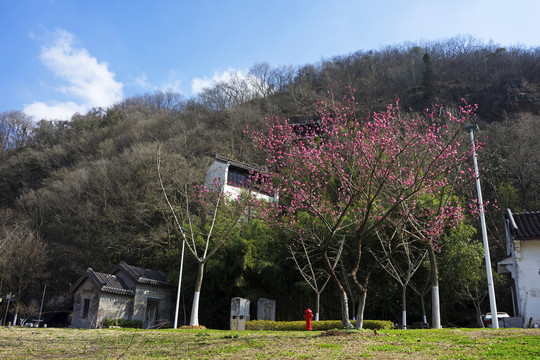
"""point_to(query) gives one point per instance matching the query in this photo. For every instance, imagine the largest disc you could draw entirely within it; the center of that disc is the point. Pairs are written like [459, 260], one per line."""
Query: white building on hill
[233, 177]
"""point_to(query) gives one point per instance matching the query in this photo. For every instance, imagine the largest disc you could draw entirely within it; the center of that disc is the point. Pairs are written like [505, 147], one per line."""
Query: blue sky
[58, 57]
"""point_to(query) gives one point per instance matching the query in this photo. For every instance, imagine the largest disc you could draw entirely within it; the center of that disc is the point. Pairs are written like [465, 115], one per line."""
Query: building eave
[238, 164]
[523, 226]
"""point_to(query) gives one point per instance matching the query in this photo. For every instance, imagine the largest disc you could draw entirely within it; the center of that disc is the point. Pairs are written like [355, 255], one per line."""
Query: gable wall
[217, 170]
[85, 291]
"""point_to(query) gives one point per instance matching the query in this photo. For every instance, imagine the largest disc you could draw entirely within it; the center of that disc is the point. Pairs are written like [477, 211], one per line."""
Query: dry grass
[50, 343]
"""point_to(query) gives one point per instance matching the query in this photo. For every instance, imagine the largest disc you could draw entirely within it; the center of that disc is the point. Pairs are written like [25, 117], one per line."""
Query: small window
[237, 178]
[86, 308]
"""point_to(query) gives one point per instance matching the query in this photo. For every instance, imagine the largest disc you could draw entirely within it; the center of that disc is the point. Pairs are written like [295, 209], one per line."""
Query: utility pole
[9, 296]
[491, 289]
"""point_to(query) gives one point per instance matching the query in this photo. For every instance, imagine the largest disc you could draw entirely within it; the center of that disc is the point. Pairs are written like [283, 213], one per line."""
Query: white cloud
[173, 83]
[231, 75]
[85, 79]
[142, 81]
[198, 85]
[54, 110]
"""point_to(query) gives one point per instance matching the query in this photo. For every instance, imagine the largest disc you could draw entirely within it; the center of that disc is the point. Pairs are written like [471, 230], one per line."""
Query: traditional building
[523, 264]
[125, 292]
[233, 177]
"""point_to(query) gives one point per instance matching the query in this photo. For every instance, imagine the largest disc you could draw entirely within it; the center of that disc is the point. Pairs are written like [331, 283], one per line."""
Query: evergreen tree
[428, 77]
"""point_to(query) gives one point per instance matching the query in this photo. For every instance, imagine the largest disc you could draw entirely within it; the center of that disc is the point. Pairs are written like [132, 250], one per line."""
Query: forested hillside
[85, 192]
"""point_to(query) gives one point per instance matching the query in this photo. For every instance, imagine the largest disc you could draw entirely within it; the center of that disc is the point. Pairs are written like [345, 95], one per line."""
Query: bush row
[137, 324]
[315, 325]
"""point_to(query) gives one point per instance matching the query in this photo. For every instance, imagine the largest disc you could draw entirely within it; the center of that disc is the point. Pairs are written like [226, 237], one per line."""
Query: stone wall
[113, 306]
[162, 295]
[85, 292]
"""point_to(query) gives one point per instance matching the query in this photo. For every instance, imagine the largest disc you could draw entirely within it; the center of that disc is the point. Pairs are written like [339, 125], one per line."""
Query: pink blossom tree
[352, 174]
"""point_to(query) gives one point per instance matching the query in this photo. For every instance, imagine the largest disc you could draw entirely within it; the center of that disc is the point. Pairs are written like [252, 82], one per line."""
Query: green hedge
[315, 325]
[137, 324]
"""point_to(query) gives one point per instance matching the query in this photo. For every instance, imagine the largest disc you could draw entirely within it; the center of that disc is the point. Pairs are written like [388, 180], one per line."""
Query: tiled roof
[525, 226]
[146, 276]
[110, 283]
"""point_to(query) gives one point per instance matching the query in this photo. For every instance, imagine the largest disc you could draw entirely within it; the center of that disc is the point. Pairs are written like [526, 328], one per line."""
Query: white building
[233, 177]
[523, 264]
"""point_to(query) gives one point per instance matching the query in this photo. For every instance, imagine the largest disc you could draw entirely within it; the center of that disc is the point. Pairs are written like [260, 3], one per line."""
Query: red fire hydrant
[308, 315]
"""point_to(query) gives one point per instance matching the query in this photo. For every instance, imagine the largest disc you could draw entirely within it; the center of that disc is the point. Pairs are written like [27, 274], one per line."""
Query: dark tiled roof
[146, 276]
[238, 164]
[110, 283]
[525, 226]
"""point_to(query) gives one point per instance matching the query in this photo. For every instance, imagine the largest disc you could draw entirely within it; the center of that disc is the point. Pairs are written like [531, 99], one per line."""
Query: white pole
[491, 289]
[179, 283]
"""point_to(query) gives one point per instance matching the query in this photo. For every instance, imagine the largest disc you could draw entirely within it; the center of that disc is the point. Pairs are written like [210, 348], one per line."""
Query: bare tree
[205, 220]
[23, 256]
[307, 260]
[15, 130]
[260, 79]
[422, 292]
[402, 265]
[282, 77]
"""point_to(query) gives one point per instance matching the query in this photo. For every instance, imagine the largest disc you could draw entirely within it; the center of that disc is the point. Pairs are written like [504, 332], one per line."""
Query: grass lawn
[53, 343]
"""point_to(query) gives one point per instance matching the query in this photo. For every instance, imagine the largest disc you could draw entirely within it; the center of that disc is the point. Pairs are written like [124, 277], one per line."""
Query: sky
[59, 57]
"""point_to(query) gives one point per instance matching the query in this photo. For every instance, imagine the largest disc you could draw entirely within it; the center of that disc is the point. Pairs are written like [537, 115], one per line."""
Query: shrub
[315, 325]
[138, 324]
[378, 324]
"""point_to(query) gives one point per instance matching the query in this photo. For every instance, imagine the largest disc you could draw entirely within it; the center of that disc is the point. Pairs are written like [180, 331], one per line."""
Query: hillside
[87, 189]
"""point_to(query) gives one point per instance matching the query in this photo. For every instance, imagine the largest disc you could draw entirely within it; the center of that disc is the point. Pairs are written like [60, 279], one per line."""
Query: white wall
[216, 170]
[528, 274]
[234, 192]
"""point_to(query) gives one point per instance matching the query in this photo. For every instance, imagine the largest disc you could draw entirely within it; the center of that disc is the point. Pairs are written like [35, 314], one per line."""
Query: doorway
[151, 316]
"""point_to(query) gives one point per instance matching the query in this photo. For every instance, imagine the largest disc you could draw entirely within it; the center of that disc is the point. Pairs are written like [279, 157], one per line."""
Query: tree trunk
[342, 293]
[361, 307]
[435, 305]
[479, 319]
[404, 306]
[195, 306]
[424, 317]
[345, 310]
[422, 302]
[317, 306]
